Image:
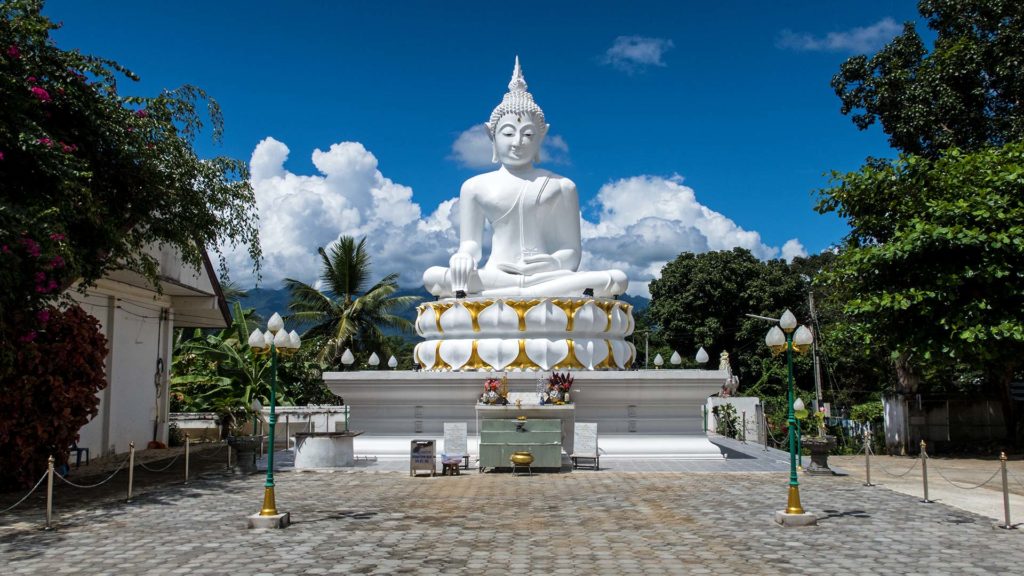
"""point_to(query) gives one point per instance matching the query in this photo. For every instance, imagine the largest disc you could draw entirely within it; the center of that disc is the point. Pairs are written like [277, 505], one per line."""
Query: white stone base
[270, 522]
[663, 403]
[795, 520]
[324, 449]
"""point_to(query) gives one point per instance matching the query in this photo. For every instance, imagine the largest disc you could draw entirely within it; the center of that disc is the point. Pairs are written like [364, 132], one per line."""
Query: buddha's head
[517, 127]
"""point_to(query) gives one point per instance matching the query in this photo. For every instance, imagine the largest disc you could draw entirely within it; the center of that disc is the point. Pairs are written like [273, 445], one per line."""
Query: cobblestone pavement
[371, 521]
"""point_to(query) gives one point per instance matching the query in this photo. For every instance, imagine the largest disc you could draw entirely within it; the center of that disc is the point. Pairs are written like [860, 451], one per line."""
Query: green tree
[967, 92]
[940, 277]
[104, 173]
[704, 299]
[349, 313]
[931, 268]
[88, 179]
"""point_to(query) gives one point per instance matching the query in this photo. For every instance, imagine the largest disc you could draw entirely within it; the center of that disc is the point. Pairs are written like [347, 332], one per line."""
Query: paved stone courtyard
[378, 520]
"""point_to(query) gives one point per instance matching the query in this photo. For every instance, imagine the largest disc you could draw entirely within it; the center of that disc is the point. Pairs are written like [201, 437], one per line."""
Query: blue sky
[685, 125]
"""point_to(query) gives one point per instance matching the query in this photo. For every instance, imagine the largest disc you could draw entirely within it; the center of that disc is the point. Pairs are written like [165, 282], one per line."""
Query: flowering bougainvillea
[88, 179]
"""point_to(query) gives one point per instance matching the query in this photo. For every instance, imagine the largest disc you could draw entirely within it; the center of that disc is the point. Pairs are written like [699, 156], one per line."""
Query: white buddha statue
[535, 215]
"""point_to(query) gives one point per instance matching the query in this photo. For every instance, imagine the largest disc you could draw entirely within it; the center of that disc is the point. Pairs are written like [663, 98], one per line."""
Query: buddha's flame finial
[518, 82]
[516, 101]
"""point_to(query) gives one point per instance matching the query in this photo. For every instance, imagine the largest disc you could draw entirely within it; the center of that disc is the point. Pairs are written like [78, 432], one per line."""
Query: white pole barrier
[744, 426]
[49, 494]
[924, 472]
[131, 470]
[1006, 493]
[187, 443]
[229, 457]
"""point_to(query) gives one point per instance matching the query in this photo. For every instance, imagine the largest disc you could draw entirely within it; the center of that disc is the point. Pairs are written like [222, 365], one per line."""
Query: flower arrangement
[557, 391]
[495, 391]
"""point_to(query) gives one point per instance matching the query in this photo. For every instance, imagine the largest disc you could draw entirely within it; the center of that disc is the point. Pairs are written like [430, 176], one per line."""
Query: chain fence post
[924, 471]
[867, 456]
[744, 426]
[229, 457]
[187, 447]
[131, 470]
[49, 494]
[1006, 493]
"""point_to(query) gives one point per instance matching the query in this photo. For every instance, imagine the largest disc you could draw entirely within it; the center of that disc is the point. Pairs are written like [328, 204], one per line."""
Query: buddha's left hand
[531, 265]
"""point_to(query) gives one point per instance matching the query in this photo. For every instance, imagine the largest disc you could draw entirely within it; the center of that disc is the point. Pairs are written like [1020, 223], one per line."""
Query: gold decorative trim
[609, 361]
[439, 363]
[570, 362]
[474, 307]
[522, 360]
[440, 308]
[569, 306]
[475, 362]
[522, 307]
[607, 306]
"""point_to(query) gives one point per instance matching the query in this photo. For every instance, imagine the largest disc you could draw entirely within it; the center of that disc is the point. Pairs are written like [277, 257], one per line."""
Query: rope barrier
[210, 454]
[937, 469]
[909, 470]
[772, 436]
[169, 464]
[100, 483]
[25, 497]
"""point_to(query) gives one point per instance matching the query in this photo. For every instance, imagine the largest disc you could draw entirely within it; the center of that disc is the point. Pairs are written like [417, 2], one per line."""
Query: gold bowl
[521, 458]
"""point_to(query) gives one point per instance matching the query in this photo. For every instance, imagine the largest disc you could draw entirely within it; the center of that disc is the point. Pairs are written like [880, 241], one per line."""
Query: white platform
[654, 412]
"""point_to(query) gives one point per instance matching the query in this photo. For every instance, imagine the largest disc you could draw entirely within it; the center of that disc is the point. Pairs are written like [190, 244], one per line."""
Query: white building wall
[138, 332]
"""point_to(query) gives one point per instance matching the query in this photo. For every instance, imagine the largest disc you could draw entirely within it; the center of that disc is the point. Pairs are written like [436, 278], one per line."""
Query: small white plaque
[586, 440]
[455, 438]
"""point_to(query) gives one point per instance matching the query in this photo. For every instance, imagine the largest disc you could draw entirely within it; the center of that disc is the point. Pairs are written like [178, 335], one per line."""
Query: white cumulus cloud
[641, 222]
[857, 40]
[793, 248]
[635, 53]
[350, 196]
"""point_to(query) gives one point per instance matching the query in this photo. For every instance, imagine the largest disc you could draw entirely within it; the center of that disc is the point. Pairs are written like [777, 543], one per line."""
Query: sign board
[455, 438]
[586, 440]
[422, 457]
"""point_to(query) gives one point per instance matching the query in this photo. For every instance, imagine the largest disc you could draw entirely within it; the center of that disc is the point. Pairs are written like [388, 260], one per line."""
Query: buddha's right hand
[461, 266]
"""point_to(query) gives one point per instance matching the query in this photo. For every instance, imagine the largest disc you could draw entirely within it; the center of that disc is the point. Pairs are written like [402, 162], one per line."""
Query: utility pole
[814, 348]
[647, 348]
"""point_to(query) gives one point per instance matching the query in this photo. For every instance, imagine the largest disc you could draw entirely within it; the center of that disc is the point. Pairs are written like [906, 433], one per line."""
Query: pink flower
[57, 262]
[40, 93]
[43, 316]
[31, 79]
[40, 277]
[141, 113]
[57, 237]
[45, 141]
[66, 149]
[51, 285]
[5, 249]
[28, 336]
[1, 155]
[13, 52]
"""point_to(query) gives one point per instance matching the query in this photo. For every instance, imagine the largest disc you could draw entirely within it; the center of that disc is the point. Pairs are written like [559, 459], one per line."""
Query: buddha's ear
[494, 151]
[546, 129]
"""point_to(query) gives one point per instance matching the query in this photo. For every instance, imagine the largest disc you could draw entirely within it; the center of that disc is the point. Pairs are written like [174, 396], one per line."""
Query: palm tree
[347, 314]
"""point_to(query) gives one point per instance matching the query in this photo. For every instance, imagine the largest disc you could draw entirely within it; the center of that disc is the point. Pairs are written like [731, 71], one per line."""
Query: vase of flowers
[495, 391]
[557, 391]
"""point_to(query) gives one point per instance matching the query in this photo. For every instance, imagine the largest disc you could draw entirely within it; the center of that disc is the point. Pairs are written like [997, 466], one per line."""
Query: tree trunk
[907, 378]
[908, 382]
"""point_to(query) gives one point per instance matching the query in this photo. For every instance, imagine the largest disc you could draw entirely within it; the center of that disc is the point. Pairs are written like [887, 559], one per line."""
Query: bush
[49, 394]
[727, 423]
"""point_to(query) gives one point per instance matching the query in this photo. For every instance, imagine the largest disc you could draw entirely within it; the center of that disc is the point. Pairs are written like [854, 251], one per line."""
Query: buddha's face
[517, 140]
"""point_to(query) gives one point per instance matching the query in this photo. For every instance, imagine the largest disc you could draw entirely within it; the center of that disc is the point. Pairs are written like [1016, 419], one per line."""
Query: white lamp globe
[281, 340]
[803, 337]
[347, 358]
[392, 362]
[788, 321]
[268, 338]
[676, 359]
[798, 405]
[294, 340]
[275, 324]
[256, 339]
[374, 360]
[775, 338]
[659, 361]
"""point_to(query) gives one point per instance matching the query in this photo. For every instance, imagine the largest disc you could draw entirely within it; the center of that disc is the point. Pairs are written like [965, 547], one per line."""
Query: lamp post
[800, 411]
[275, 341]
[782, 338]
